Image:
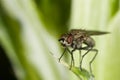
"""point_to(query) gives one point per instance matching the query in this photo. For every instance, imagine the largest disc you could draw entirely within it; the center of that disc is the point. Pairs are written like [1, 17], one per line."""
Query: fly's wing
[88, 32]
[92, 33]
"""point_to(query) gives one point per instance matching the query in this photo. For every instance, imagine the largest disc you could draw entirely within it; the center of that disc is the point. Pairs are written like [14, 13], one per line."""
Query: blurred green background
[29, 31]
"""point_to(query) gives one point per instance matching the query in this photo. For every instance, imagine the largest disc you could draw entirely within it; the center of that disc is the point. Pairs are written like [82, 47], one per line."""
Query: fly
[75, 39]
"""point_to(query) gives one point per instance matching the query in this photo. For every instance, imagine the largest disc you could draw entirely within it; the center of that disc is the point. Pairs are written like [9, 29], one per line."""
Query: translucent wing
[96, 32]
[88, 32]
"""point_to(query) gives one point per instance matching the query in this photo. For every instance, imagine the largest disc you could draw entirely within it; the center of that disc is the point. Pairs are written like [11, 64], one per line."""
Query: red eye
[69, 39]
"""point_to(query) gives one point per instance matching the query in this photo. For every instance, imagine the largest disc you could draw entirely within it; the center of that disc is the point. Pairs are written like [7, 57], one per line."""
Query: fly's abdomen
[90, 42]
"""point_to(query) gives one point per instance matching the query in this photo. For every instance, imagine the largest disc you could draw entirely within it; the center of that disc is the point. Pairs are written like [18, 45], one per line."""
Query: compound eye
[69, 39]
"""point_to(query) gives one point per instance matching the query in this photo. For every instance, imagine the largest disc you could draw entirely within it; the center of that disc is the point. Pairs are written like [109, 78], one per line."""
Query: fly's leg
[80, 56]
[88, 50]
[72, 61]
[80, 59]
[72, 58]
[62, 54]
[93, 59]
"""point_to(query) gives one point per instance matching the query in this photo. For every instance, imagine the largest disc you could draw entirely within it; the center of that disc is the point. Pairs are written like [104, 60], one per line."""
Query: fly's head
[66, 40]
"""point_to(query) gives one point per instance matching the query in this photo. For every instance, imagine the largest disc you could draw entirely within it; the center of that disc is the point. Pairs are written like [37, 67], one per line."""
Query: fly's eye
[61, 40]
[70, 39]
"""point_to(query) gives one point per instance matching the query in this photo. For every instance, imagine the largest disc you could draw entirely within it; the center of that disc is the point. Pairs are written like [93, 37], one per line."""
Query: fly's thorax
[76, 44]
[78, 40]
